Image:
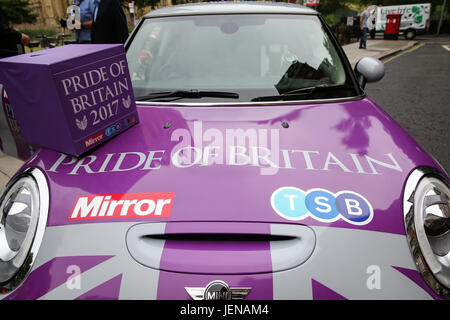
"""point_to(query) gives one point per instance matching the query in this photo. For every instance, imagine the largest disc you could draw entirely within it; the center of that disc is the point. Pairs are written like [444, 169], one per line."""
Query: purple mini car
[259, 169]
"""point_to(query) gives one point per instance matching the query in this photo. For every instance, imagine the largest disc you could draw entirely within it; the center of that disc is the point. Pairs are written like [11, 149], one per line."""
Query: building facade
[50, 12]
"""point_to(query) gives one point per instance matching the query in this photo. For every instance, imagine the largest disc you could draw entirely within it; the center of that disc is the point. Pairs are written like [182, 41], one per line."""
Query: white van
[415, 18]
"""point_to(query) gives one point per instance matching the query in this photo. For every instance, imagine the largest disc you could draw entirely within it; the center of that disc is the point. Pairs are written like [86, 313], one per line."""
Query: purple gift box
[70, 98]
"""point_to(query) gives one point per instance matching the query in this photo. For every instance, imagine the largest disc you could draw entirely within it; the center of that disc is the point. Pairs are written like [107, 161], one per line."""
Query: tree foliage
[18, 11]
[435, 4]
[331, 6]
[327, 8]
[146, 3]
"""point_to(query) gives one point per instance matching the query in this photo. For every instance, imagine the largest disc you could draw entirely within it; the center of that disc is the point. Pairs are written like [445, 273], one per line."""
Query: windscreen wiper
[301, 93]
[191, 94]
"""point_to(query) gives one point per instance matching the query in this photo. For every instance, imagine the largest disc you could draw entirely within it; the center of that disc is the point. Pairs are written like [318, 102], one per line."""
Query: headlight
[23, 216]
[427, 221]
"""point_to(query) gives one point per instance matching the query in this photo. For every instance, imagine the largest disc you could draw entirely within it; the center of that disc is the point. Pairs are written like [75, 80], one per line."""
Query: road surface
[415, 91]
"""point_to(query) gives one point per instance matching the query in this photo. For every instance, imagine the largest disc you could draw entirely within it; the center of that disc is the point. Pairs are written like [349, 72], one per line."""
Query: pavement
[379, 49]
[415, 93]
[8, 167]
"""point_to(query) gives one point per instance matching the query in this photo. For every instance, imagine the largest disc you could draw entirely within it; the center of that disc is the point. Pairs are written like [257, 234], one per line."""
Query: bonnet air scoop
[220, 247]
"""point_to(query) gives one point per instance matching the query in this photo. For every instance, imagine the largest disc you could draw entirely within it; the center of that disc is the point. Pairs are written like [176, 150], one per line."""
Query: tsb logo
[295, 204]
[113, 129]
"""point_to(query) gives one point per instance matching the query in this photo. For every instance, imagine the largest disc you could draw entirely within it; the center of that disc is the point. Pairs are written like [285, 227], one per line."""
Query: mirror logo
[294, 204]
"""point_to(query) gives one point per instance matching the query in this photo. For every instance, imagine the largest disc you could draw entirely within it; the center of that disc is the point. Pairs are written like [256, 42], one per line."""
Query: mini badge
[217, 290]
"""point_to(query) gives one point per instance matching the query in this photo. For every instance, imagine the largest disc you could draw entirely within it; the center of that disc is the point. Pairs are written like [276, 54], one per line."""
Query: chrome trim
[230, 12]
[420, 254]
[198, 293]
[44, 205]
[251, 104]
[230, 8]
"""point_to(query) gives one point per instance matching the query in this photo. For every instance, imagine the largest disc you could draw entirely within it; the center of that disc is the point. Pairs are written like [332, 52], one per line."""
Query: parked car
[415, 18]
[259, 169]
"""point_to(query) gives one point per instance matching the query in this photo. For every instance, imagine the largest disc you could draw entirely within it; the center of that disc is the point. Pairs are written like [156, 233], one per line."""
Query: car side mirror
[369, 69]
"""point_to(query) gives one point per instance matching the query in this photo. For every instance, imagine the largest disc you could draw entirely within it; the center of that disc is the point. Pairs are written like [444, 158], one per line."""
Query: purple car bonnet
[225, 163]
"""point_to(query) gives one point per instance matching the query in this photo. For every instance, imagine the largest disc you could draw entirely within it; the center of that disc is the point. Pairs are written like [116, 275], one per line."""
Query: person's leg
[361, 41]
[363, 44]
[367, 35]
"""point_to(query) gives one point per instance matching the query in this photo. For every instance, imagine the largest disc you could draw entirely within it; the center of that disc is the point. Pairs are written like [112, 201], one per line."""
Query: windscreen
[250, 54]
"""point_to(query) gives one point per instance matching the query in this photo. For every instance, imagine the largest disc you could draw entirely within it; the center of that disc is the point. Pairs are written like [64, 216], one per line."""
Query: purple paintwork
[322, 292]
[67, 98]
[203, 170]
[221, 192]
[195, 264]
[215, 257]
[106, 291]
[415, 276]
[223, 195]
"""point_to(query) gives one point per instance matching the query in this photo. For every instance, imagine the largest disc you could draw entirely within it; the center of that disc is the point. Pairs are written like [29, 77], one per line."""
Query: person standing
[87, 8]
[364, 28]
[371, 24]
[10, 39]
[110, 23]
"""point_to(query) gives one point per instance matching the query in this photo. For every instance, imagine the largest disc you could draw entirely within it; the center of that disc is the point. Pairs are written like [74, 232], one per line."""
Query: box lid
[65, 57]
